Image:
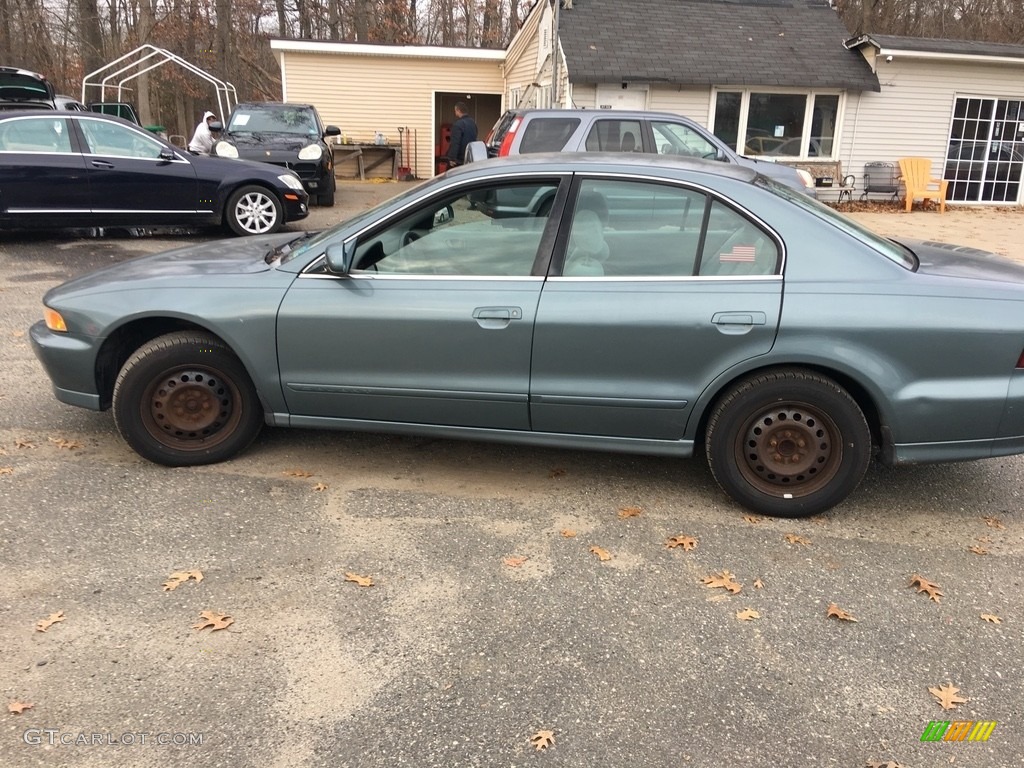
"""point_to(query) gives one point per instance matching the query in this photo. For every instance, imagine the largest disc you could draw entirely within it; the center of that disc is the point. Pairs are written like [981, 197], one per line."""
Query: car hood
[224, 257]
[963, 261]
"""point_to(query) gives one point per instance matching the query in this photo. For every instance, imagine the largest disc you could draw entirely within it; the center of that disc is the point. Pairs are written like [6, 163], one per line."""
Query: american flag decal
[738, 253]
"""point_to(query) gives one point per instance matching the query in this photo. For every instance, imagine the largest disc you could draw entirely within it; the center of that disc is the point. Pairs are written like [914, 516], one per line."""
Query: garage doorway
[985, 153]
[484, 108]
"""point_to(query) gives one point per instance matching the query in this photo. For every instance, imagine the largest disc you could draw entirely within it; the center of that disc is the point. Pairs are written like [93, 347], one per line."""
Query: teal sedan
[623, 303]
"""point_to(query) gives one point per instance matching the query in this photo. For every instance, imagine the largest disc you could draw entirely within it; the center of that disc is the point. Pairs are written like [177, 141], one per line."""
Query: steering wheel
[410, 237]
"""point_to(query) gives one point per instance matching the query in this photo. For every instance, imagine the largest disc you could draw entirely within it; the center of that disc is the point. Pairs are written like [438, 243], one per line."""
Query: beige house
[365, 89]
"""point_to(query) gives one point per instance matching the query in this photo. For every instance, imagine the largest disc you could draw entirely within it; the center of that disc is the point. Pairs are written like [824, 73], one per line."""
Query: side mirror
[476, 150]
[167, 155]
[444, 215]
[332, 130]
[216, 126]
[339, 257]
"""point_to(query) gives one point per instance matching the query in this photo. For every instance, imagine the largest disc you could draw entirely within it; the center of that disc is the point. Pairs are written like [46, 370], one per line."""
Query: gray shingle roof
[935, 45]
[711, 42]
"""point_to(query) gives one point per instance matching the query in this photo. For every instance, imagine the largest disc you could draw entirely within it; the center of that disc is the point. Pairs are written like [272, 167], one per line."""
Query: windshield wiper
[280, 250]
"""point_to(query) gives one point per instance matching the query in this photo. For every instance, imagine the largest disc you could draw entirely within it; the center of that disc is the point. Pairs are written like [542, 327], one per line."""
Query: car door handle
[101, 164]
[736, 323]
[497, 317]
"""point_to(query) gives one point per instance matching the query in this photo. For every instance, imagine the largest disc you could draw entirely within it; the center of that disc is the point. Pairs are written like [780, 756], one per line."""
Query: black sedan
[76, 169]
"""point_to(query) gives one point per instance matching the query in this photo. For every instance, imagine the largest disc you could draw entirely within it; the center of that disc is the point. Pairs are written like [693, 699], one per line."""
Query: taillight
[506, 142]
[1020, 360]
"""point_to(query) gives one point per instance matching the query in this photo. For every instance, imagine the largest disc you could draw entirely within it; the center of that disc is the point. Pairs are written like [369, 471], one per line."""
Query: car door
[434, 323]
[128, 178]
[42, 175]
[672, 288]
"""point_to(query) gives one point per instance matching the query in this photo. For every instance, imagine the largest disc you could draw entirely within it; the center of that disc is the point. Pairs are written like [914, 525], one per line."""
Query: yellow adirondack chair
[917, 178]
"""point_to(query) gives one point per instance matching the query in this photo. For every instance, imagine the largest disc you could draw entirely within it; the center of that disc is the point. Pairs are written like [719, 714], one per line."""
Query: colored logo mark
[958, 730]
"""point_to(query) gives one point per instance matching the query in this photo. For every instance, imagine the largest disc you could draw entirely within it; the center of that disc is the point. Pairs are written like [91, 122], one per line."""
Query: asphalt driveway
[492, 617]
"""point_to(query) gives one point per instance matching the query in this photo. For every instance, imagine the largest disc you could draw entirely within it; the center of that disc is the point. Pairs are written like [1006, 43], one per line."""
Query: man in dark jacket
[463, 132]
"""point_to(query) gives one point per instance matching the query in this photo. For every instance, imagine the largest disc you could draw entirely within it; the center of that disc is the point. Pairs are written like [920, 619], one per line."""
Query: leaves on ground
[602, 554]
[923, 585]
[362, 581]
[568, 533]
[947, 696]
[686, 542]
[723, 580]
[758, 584]
[752, 519]
[630, 512]
[792, 538]
[297, 473]
[991, 618]
[514, 561]
[839, 613]
[6, 470]
[63, 442]
[556, 472]
[23, 442]
[890, 764]
[44, 624]
[977, 550]
[747, 614]
[214, 621]
[320, 487]
[818, 520]
[994, 522]
[543, 739]
[178, 578]
[17, 707]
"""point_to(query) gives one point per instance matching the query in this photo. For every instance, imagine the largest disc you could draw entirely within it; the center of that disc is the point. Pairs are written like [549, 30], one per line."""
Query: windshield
[274, 119]
[888, 248]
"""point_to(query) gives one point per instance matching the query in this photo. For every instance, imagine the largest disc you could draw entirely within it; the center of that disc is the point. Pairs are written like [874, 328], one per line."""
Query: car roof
[614, 113]
[67, 115]
[248, 104]
[610, 162]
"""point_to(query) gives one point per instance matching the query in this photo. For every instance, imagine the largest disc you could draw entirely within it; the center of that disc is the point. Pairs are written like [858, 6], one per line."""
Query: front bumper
[70, 362]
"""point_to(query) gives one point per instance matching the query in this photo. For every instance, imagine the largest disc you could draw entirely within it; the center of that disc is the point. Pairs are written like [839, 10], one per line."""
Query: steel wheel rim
[255, 213]
[789, 450]
[191, 408]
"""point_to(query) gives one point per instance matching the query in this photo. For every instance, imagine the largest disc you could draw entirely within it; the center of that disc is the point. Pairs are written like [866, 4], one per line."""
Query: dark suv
[523, 131]
[289, 135]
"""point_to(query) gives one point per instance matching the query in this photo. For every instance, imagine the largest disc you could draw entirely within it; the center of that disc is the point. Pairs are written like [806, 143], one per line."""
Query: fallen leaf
[686, 542]
[17, 334]
[947, 696]
[992, 618]
[792, 538]
[6, 470]
[602, 554]
[752, 519]
[556, 472]
[514, 561]
[543, 739]
[21, 442]
[44, 624]
[819, 520]
[890, 764]
[362, 581]
[17, 707]
[977, 550]
[923, 585]
[320, 487]
[723, 580]
[839, 613]
[214, 621]
[178, 578]
[629, 512]
[994, 522]
[568, 533]
[758, 584]
[297, 473]
[747, 614]
[63, 442]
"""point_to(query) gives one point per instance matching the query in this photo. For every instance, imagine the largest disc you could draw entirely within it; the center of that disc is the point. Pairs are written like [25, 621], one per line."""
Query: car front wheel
[326, 198]
[185, 399]
[253, 210]
[789, 443]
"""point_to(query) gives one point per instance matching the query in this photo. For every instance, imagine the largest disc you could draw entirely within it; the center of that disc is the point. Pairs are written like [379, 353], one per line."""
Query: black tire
[326, 199]
[184, 399]
[790, 443]
[253, 210]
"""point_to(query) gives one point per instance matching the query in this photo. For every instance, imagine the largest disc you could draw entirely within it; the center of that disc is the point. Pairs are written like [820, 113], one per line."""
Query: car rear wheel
[185, 399]
[789, 443]
[254, 210]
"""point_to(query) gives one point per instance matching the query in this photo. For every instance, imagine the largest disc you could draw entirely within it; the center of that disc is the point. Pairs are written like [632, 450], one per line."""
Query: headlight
[54, 321]
[805, 177]
[312, 152]
[290, 180]
[223, 149]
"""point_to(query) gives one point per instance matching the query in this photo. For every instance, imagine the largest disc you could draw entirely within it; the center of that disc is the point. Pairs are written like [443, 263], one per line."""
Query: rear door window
[615, 136]
[547, 134]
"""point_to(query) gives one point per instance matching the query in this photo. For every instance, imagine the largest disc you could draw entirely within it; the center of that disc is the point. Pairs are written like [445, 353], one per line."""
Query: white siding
[362, 94]
[692, 103]
[523, 71]
[911, 116]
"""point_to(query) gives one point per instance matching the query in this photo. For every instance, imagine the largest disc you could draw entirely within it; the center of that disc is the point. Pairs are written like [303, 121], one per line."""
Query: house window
[796, 125]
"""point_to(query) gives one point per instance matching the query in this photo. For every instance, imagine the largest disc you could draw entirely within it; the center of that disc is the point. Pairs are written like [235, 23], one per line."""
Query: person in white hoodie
[203, 138]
